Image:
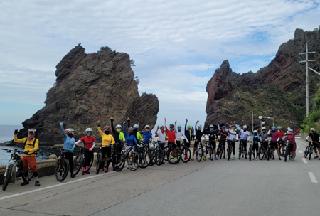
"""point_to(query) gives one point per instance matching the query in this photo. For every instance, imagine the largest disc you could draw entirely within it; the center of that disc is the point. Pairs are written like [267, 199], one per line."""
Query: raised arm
[62, 128]
[112, 126]
[16, 139]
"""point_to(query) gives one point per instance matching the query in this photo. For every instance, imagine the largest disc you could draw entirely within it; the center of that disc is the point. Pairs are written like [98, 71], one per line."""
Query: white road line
[304, 161]
[313, 178]
[53, 186]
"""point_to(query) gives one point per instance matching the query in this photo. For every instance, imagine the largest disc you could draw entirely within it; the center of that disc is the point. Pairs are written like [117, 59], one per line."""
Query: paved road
[207, 188]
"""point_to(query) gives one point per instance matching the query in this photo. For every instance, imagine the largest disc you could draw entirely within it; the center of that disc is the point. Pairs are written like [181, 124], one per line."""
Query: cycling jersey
[232, 135]
[171, 135]
[147, 135]
[31, 145]
[88, 141]
[131, 140]
[106, 139]
[161, 135]
[244, 135]
[68, 142]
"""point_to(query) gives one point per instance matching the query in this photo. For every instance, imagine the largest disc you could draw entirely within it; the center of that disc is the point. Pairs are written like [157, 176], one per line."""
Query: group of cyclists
[194, 142]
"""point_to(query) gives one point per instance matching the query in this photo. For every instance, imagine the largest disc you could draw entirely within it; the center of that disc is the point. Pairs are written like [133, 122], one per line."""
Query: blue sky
[176, 45]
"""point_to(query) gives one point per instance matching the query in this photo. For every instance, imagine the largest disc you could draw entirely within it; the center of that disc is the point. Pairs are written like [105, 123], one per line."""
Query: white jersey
[162, 136]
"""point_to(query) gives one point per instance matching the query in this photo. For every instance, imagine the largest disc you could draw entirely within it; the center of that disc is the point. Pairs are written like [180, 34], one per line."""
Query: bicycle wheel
[142, 162]
[61, 170]
[133, 161]
[186, 155]
[98, 162]
[229, 152]
[250, 153]
[78, 162]
[7, 177]
[173, 156]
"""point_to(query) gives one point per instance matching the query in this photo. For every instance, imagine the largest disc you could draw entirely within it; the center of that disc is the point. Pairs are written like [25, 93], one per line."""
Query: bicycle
[14, 168]
[129, 155]
[142, 156]
[308, 151]
[62, 167]
[221, 151]
[159, 155]
[289, 151]
[79, 161]
[230, 148]
[242, 150]
[262, 152]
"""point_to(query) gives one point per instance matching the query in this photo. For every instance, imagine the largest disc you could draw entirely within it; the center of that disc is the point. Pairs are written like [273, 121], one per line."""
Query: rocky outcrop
[277, 90]
[92, 87]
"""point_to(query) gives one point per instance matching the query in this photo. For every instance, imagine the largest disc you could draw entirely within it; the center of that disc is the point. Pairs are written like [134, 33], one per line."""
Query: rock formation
[92, 87]
[277, 90]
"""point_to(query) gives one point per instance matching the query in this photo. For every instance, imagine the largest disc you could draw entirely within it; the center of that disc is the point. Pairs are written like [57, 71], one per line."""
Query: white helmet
[135, 126]
[289, 129]
[244, 126]
[147, 126]
[211, 126]
[88, 130]
[118, 126]
[69, 130]
[32, 130]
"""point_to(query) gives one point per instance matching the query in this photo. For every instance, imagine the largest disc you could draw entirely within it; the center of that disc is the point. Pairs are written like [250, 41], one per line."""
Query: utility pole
[306, 61]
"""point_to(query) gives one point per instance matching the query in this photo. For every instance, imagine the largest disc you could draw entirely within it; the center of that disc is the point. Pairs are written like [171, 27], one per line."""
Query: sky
[176, 44]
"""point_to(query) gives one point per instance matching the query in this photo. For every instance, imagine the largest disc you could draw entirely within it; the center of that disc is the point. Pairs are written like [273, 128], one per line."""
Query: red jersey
[88, 141]
[171, 135]
[280, 134]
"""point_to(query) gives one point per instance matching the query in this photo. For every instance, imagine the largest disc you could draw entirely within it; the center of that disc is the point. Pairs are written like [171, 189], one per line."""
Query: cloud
[184, 39]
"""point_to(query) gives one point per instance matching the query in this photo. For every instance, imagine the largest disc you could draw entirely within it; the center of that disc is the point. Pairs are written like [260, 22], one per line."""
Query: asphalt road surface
[237, 187]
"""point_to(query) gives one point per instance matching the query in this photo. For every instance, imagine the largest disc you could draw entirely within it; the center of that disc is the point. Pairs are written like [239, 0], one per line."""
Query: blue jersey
[146, 136]
[131, 140]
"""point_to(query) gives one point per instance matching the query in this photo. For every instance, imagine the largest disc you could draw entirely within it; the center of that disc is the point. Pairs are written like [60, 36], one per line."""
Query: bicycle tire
[98, 162]
[7, 177]
[61, 170]
[173, 157]
[186, 155]
[78, 162]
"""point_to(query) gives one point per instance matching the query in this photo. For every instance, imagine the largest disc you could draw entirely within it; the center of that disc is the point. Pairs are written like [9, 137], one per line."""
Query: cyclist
[180, 137]
[89, 142]
[131, 140]
[212, 132]
[223, 134]
[171, 135]
[147, 135]
[232, 135]
[264, 138]
[244, 136]
[31, 146]
[188, 132]
[199, 134]
[314, 136]
[290, 137]
[255, 143]
[274, 139]
[68, 146]
[162, 137]
[107, 141]
[119, 139]
[279, 136]
[137, 133]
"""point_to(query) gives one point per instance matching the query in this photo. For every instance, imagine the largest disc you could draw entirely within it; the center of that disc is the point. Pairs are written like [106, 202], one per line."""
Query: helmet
[118, 126]
[88, 130]
[255, 131]
[171, 125]
[263, 128]
[130, 130]
[245, 127]
[289, 129]
[312, 129]
[189, 127]
[32, 130]
[69, 131]
[135, 126]
[147, 127]
[211, 126]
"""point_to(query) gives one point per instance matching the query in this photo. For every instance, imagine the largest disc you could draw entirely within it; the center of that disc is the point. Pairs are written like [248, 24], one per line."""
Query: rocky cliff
[92, 87]
[277, 90]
